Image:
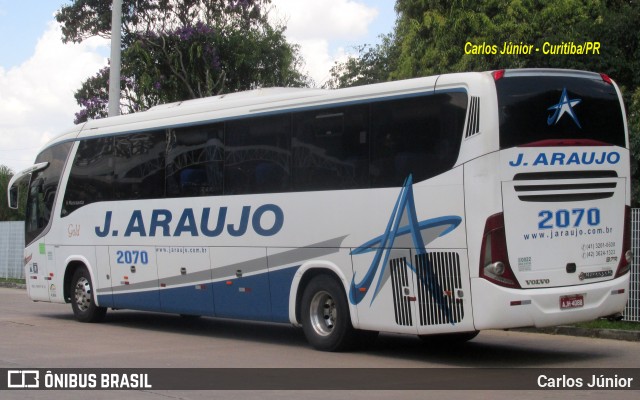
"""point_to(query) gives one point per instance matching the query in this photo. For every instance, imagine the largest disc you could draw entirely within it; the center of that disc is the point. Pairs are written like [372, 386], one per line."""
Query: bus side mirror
[14, 183]
[13, 197]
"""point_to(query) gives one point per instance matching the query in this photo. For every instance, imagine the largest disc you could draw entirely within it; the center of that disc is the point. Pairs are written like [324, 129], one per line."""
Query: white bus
[438, 206]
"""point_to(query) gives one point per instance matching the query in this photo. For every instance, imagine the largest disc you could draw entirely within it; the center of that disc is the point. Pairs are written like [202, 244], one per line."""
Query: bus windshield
[536, 108]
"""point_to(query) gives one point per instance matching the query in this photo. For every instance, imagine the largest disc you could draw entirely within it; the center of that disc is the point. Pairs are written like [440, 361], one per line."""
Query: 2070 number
[568, 218]
[132, 257]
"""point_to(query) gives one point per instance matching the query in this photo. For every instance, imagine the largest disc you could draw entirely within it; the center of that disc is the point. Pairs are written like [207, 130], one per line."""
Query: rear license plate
[574, 301]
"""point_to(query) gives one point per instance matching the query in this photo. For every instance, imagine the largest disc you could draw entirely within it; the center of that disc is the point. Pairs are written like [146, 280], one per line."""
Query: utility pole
[114, 72]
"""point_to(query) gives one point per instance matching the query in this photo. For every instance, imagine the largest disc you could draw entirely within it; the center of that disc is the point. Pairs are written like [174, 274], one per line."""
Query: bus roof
[248, 103]
[267, 100]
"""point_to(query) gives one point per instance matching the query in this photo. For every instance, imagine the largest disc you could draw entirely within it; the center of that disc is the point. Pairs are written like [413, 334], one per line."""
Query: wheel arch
[305, 274]
[72, 265]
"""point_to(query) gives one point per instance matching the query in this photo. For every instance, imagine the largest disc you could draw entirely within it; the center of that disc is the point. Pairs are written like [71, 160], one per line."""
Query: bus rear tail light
[497, 75]
[606, 78]
[625, 261]
[494, 259]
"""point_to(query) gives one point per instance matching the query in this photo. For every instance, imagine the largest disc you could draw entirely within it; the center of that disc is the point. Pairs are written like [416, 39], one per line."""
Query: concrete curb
[615, 334]
[13, 285]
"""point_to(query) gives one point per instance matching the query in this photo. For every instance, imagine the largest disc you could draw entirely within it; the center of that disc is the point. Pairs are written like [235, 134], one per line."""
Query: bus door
[39, 255]
[41, 194]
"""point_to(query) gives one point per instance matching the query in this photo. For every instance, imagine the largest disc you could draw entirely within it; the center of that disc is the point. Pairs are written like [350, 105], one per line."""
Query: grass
[12, 280]
[606, 324]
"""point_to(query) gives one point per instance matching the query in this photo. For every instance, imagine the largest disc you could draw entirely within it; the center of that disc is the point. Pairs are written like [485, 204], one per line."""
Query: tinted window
[331, 148]
[536, 108]
[195, 161]
[420, 136]
[258, 155]
[91, 176]
[139, 166]
[43, 187]
[376, 144]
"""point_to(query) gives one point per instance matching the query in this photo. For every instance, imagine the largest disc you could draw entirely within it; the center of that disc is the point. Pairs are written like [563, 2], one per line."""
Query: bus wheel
[448, 339]
[325, 315]
[83, 298]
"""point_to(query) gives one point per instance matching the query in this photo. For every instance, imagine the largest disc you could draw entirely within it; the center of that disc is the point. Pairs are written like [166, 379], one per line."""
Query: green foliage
[606, 324]
[430, 37]
[634, 144]
[7, 214]
[11, 281]
[83, 19]
[433, 39]
[175, 51]
[372, 65]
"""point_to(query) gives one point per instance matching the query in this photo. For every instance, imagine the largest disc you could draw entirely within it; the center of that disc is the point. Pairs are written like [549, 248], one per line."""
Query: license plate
[574, 301]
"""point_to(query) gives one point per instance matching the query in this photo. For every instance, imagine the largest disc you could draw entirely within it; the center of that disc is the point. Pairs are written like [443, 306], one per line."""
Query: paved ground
[43, 335]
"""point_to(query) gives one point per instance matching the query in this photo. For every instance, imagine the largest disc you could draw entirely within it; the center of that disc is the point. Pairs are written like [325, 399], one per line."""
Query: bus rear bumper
[496, 307]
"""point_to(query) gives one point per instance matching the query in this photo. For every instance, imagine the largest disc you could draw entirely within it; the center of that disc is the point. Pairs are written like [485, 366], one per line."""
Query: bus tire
[326, 321]
[83, 298]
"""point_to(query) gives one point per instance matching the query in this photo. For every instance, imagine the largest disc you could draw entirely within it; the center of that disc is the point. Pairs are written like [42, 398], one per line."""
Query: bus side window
[419, 136]
[331, 148]
[91, 176]
[195, 160]
[139, 166]
[258, 155]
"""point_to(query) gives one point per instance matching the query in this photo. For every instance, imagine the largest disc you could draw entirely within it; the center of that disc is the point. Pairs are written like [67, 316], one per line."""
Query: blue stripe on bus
[196, 299]
[260, 297]
[146, 301]
[243, 298]
[280, 282]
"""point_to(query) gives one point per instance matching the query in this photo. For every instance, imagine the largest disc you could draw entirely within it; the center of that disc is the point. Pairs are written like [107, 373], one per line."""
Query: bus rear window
[537, 108]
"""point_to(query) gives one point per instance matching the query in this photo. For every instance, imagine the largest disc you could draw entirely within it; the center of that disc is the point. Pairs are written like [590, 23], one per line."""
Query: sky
[39, 74]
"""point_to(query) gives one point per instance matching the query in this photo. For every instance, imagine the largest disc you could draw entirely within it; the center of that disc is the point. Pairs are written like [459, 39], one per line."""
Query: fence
[11, 249]
[12, 245]
[632, 312]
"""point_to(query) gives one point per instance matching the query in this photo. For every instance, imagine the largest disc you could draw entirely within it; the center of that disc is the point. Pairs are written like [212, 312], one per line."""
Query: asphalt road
[44, 335]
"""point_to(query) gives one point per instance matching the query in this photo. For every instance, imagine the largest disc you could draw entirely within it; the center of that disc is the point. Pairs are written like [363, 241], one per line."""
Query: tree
[7, 214]
[180, 50]
[634, 139]
[371, 65]
[430, 35]
[432, 38]
[429, 38]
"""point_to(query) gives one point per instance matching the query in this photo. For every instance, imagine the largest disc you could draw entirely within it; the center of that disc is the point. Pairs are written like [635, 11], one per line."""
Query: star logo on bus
[403, 226]
[565, 105]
